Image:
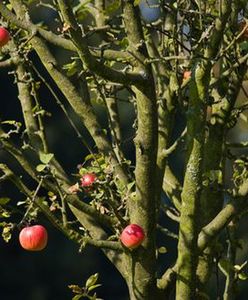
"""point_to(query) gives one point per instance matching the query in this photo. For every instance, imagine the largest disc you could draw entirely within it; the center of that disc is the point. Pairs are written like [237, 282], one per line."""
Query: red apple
[4, 36]
[88, 179]
[33, 238]
[132, 236]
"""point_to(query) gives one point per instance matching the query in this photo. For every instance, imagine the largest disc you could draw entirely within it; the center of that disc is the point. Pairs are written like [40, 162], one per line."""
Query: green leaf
[136, 2]
[92, 297]
[40, 167]
[94, 287]
[45, 157]
[4, 200]
[91, 280]
[89, 156]
[75, 289]
[123, 43]
[9, 6]
[242, 276]
[7, 232]
[71, 68]
[82, 171]
[4, 213]
[162, 250]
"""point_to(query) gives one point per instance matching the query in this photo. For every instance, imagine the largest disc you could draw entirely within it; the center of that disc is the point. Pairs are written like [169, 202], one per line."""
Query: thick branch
[88, 60]
[81, 107]
[188, 232]
[69, 232]
[26, 100]
[210, 232]
[59, 41]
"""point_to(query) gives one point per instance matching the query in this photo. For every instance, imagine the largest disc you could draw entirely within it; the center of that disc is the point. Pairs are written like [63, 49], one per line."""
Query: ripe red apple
[132, 236]
[33, 238]
[4, 36]
[88, 179]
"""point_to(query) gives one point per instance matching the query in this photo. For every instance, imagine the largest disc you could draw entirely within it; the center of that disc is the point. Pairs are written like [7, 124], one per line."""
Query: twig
[167, 232]
[237, 145]
[32, 201]
[172, 148]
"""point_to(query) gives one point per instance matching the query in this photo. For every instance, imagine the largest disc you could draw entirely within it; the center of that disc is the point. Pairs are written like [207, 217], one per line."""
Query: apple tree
[174, 63]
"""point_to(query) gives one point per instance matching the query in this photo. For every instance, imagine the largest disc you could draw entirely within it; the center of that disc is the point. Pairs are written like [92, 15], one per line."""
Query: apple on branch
[132, 236]
[4, 36]
[33, 238]
[88, 179]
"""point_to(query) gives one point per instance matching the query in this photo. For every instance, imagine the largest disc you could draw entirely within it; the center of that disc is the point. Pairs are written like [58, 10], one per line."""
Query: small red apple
[33, 238]
[132, 236]
[4, 36]
[88, 179]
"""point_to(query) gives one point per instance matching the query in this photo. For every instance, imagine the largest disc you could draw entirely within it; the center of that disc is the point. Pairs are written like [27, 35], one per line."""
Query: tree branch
[88, 60]
[67, 231]
[61, 42]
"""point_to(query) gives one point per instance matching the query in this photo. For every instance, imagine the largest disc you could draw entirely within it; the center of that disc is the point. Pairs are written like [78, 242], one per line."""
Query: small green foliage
[71, 68]
[226, 267]
[162, 250]
[45, 158]
[112, 6]
[244, 47]
[241, 275]
[4, 213]
[4, 200]
[81, 11]
[91, 281]
[108, 194]
[40, 167]
[84, 291]
[136, 2]
[7, 229]
[123, 43]
[211, 177]
[240, 171]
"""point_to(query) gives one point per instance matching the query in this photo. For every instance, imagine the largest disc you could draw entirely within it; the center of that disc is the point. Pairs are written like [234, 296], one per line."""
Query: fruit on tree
[4, 36]
[88, 179]
[132, 236]
[33, 238]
